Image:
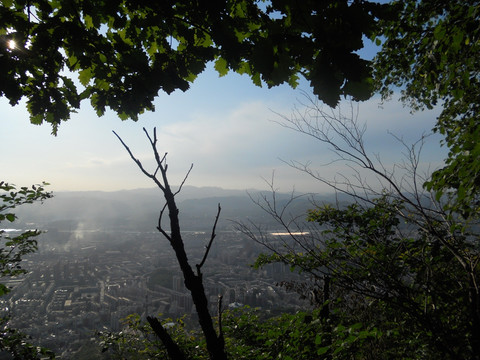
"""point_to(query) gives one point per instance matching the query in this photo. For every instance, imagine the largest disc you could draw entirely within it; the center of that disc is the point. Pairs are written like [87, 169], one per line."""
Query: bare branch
[193, 283]
[184, 179]
[139, 164]
[173, 349]
[209, 245]
[159, 226]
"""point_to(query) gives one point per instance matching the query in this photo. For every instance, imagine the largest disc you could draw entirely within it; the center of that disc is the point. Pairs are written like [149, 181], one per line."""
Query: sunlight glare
[11, 44]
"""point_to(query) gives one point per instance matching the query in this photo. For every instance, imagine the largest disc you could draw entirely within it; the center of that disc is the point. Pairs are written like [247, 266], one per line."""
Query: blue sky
[224, 126]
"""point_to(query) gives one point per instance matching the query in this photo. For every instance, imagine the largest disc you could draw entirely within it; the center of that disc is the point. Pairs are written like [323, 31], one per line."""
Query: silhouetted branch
[145, 172]
[193, 282]
[220, 329]
[209, 245]
[173, 349]
[184, 179]
[159, 226]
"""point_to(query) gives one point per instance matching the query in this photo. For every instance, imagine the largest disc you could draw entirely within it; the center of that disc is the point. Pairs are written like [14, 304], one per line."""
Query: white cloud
[230, 138]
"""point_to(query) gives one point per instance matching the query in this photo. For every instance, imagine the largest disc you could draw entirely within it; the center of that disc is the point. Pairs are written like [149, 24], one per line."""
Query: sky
[227, 127]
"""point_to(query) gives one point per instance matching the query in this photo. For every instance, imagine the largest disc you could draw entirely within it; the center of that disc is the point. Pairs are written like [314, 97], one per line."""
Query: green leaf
[88, 22]
[102, 84]
[256, 79]
[84, 76]
[10, 217]
[36, 119]
[221, 66]
[323, 350]
[293, 81]
[356, 326]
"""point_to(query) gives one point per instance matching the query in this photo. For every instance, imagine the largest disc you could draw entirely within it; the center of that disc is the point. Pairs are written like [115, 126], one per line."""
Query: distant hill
[138, 210]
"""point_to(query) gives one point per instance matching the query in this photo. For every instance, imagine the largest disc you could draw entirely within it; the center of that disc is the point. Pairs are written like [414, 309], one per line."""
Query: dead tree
[193, 279]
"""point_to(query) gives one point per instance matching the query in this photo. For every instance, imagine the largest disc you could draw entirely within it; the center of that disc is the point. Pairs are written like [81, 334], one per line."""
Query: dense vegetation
[392, 275]
[13, 249]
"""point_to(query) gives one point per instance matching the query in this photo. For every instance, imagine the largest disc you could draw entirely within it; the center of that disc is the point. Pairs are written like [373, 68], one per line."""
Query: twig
[199, 266]
[159, 226]
[184, 179]
[145, 172]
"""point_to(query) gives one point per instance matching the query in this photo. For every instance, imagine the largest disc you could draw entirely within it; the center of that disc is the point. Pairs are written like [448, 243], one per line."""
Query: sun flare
[11, 44]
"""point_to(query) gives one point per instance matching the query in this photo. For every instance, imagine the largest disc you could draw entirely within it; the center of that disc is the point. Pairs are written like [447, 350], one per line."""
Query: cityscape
[81, 282]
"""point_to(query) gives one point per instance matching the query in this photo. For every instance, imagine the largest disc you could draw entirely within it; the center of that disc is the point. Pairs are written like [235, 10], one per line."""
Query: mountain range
[138, 210]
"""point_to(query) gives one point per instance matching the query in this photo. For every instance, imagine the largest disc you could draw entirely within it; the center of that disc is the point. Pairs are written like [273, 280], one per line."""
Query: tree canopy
[120, 54]
[431, 51]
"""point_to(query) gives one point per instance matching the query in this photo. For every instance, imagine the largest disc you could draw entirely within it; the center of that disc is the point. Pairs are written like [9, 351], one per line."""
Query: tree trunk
[194, 283]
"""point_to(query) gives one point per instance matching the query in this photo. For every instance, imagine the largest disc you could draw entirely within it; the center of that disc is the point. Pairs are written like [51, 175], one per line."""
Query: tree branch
[193, 283]
[173, 349]
[209, 245]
